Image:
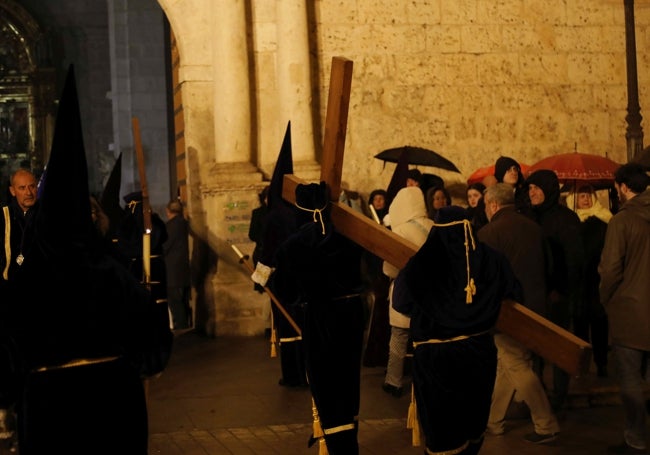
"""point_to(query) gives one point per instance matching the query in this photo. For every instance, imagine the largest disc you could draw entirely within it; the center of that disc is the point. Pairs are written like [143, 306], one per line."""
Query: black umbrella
[417, 156]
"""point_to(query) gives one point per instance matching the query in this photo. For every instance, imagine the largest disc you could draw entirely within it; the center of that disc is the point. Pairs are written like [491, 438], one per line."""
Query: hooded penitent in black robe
[83, 331]
[320, 269]
[456, 294]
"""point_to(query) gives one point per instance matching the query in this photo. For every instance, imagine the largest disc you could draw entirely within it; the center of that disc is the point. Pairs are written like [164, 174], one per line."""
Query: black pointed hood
[65, 187]
[284, 165]
[110, 197]
[280, 220]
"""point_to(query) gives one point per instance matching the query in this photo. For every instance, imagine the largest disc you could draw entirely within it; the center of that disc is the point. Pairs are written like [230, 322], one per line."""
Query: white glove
[261, 274]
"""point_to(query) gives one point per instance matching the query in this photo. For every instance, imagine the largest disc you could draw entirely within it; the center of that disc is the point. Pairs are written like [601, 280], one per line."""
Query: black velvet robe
[322, 272]
[454, 379]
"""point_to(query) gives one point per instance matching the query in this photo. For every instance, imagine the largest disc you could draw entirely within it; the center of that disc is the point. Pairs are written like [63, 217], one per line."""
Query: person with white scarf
[590, 319]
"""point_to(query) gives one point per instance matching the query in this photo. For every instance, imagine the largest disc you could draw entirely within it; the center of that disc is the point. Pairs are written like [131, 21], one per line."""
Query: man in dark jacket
[520, 239]
[625, 292]
[177, 265]
[16, 236]
[565, 259]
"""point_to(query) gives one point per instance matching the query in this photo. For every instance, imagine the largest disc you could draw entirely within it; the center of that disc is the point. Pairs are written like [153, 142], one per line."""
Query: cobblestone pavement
[221, 396]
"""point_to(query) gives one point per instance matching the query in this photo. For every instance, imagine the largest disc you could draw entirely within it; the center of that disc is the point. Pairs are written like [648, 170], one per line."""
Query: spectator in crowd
[476, 205]
[508, 170]
[176, 252]
[409, 220]
[565, 259]
[625, 292]
[436, 198]
[590, 319]
[521, 240]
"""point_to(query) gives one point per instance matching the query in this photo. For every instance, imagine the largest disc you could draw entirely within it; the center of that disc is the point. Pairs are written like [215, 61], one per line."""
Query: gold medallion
[19, 259]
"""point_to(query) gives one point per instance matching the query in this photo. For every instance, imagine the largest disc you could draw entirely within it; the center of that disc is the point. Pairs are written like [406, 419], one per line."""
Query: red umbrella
[482, 172]
[594, 169]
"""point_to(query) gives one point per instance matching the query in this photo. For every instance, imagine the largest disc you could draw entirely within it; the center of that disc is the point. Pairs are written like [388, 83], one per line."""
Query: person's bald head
[23, 187]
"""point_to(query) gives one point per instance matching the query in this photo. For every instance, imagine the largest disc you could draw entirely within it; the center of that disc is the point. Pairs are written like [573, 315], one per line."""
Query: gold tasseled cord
[412, 421]
[470, 289]
[318, 430]
[274, 339]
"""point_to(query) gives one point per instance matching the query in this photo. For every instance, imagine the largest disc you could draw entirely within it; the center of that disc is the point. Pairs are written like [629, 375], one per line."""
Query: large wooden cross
[550, 341]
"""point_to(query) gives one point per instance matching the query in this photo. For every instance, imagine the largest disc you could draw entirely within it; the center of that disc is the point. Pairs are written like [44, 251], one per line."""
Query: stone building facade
[471, 79]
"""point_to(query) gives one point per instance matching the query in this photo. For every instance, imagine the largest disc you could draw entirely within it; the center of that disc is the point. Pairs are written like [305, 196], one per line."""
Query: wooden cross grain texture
[548, 340]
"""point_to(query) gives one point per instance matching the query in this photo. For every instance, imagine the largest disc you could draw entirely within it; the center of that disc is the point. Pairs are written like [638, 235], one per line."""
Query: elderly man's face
[23, 188]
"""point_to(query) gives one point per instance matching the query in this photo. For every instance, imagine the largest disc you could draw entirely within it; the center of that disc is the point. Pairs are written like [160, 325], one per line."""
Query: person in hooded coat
[81, 331]
[590, 320]
[565, 260]
[456, 286]
[320, 269]
[508, 170]
[409, 220]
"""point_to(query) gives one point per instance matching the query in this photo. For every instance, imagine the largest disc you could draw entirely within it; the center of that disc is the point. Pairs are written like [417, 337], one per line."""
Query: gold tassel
[412, 420]
[415, 438]
[318, 430]
[274, 351]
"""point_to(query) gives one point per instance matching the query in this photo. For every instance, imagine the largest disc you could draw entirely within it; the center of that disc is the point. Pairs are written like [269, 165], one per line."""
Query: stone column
[232, 111]
[293, 74]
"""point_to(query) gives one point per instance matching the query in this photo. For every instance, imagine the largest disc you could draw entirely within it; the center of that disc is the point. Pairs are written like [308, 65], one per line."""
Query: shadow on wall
[203, 264]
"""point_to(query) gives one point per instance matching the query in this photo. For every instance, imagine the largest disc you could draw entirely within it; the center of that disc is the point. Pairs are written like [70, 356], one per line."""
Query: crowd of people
[546, 246]
[558, 250]
[77, 349]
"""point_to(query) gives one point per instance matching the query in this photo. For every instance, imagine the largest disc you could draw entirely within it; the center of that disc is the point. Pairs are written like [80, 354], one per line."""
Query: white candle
[239, 253]
[374, 214]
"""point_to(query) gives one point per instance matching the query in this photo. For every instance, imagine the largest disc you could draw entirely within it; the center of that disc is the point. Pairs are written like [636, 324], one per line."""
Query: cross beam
[538, 334]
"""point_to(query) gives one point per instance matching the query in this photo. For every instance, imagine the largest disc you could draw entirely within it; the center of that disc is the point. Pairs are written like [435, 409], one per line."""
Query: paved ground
[221, 396]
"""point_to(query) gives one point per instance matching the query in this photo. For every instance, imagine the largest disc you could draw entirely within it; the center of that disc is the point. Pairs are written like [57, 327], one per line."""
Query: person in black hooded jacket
[565, 259]
[507, 170]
